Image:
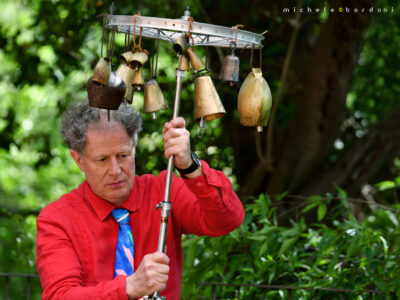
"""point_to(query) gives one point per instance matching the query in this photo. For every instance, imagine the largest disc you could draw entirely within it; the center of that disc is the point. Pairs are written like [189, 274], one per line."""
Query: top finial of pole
[186, 13]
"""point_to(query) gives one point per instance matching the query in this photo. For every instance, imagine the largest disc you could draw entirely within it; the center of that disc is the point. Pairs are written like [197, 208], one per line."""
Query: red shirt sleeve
[60, 268]
[199, 208]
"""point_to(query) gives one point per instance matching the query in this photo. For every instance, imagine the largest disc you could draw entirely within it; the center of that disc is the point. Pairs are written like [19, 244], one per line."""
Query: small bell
[107, 96]
[181, 45]
[138, 80]
[126, 73]
[184, 63]
[230, 69]
[134, 60]
[153, 98]
[208, 105]
[195, 60]
[102, 71]
[129, 94]
[254, 100]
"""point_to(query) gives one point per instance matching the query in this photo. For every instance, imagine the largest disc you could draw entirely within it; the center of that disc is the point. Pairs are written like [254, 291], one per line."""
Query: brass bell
[230, 69]
[107, 96]
[102, 71]
[207, 104]
[138, 80]
[129, 94]
[181, 44]
[153, 98]
[126, 73]
[134, 60]
[254, 100]
[184, 63]
[195, 60]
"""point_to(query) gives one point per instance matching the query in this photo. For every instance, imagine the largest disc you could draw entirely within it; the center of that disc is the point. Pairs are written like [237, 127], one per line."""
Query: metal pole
[166, 204]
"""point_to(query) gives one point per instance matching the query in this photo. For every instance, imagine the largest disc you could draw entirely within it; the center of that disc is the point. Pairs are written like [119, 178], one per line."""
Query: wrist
[194, 166]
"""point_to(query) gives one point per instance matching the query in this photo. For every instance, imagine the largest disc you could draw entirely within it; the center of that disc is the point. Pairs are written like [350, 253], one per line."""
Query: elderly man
[99, 241]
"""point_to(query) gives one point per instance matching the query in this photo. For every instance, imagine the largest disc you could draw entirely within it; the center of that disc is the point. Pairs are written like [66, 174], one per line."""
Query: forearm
[211, 207]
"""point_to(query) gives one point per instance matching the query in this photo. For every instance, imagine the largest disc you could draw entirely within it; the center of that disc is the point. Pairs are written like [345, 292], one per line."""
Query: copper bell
[230, 69]
[208, 105]
[138, 80]
[153, 98]
[126, 73]
[129, 94]
[102, 71]
[195, 60]
[181, 45]
[254, 100]
[107, 96]
[184, 63]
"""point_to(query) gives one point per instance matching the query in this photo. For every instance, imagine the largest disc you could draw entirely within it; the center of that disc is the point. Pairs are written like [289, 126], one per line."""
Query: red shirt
[77, 236]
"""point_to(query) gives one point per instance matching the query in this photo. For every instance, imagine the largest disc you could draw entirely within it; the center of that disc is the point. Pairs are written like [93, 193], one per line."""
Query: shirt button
[199, 184]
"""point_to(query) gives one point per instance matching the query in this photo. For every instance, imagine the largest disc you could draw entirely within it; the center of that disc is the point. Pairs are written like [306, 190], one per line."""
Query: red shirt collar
[103, 208]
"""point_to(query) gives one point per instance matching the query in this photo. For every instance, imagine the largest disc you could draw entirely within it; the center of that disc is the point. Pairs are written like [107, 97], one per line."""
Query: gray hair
[79, 118]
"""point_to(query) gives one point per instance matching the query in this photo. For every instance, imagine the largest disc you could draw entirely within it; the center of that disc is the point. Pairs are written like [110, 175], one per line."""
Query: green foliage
[346, 254]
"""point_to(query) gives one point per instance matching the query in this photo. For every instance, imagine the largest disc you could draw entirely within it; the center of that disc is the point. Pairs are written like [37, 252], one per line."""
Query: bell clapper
[154, 115]
[259, 129]
[201, 123]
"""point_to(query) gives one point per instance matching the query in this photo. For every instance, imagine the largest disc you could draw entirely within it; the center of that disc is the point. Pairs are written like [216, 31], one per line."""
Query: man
[78, 236]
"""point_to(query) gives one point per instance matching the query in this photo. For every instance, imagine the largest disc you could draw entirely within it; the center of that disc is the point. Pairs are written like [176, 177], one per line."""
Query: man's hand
[150, 276]
[177, 143]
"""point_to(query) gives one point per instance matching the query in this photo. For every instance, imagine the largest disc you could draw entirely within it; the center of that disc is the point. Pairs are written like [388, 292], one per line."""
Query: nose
[114, 168]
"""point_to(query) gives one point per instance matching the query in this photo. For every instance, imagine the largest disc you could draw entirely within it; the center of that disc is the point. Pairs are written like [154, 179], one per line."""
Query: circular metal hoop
[170, 29]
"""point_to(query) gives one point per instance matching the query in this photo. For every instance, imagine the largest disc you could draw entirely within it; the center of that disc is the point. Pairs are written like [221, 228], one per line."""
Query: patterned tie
[124, 254]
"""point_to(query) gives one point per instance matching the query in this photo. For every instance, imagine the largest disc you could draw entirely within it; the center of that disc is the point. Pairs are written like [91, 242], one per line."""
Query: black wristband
[193, 167]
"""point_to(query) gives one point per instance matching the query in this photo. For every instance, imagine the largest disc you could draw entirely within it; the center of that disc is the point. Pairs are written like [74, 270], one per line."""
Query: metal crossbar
[28, 277]
[290, 289]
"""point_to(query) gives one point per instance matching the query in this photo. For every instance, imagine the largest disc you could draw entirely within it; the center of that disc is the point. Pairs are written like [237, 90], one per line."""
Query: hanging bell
[207, 104]
[230, 69]
[195, 60]
[254, 100]
[153, 98]
[107, 96]
[184, 63]
[138, 80]
[134, 60]
[129, 94]
[102, 71]
[126, 73]
[181, 45]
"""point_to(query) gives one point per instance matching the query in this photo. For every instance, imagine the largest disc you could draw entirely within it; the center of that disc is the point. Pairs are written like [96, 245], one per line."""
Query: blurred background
[320, 185]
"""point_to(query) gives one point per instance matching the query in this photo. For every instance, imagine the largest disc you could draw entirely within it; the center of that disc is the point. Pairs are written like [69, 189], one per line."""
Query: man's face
[108, 161]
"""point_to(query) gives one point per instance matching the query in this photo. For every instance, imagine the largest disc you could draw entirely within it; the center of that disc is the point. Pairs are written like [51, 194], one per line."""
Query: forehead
[105, 139]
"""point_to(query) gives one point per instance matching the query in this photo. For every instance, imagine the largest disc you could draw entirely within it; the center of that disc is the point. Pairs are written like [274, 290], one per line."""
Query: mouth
[116, 184]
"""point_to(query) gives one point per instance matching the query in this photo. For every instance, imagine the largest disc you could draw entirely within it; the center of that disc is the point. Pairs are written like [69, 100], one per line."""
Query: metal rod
[166, 204]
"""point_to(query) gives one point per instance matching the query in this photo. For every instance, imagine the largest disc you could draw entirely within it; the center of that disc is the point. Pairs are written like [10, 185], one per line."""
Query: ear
[78, 159]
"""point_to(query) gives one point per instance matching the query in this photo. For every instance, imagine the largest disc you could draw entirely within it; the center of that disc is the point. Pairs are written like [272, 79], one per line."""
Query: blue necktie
[124, 253]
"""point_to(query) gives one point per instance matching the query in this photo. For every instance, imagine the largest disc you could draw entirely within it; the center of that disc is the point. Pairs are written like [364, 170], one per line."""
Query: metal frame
[170, 29]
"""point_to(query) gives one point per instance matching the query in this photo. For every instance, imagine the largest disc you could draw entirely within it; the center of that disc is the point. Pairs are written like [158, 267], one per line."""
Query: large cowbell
[254, 100]
[107, 96]
[153, 98]
[207, 104]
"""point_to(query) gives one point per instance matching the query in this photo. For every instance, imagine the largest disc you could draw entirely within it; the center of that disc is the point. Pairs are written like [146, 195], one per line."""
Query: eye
[102, 159]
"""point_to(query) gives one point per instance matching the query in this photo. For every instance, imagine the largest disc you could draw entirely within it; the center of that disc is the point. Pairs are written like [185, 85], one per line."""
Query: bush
[345, 254]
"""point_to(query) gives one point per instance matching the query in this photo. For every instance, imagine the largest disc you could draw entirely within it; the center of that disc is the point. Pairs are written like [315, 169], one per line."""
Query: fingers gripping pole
[165, 205]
